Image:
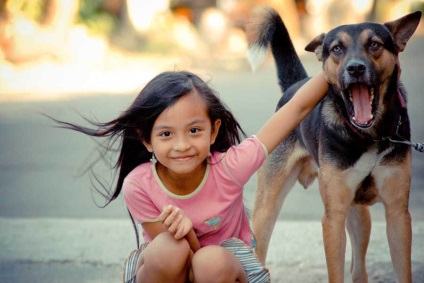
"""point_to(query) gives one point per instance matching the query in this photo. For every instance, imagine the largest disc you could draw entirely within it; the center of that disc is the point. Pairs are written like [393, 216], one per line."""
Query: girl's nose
[181, 144]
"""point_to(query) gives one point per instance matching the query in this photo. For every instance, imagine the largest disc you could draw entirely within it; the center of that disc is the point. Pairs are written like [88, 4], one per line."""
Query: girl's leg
[218, 265]
[164, 260]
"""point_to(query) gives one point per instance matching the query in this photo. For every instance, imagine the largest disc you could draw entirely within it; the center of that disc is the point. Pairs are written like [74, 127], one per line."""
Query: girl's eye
[165, 134]
[194, 130]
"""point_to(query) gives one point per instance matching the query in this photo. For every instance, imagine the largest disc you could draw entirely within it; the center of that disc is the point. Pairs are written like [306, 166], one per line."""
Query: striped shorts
[255, 272]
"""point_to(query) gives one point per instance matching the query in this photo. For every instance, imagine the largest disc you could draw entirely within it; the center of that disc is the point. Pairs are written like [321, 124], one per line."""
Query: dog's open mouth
[362, 98]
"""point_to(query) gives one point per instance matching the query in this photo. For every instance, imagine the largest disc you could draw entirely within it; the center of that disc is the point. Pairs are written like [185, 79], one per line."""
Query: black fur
[343, 146]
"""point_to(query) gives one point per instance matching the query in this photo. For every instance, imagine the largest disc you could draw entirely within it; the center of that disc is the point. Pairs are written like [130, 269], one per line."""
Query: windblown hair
[135, 124]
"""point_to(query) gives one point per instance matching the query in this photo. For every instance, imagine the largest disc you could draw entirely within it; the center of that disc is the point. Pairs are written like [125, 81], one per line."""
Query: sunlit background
[50, 49]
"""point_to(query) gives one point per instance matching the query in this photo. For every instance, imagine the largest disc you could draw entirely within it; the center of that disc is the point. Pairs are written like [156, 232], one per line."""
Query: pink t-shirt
[216, 207]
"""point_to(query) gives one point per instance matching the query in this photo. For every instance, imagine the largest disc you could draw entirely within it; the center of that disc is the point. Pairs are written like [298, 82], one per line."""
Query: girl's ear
[215, 130]
[147, 145]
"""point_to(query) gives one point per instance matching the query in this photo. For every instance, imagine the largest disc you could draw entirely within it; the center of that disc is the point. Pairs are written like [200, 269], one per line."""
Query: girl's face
[182, 135]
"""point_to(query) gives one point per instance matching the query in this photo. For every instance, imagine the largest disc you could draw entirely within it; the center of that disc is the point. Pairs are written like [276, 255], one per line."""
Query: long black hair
[135, 123]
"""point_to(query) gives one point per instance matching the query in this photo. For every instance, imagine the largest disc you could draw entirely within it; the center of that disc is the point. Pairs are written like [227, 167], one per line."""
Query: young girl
[182, 169]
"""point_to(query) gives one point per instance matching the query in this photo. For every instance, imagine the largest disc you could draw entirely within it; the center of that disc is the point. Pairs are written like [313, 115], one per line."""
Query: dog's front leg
[400, 238]
[337, 200]
[395, 196]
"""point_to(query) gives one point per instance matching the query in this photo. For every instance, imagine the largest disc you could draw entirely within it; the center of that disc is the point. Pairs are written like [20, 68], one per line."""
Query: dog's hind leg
[286, 165]
[358, 225]
[270, 195]
[274, 181]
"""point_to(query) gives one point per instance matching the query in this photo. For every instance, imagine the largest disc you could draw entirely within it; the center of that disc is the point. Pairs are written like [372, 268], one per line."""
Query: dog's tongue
[361, 103]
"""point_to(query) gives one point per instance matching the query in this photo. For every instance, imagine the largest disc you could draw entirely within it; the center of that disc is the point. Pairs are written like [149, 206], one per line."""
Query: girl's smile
[182, 158]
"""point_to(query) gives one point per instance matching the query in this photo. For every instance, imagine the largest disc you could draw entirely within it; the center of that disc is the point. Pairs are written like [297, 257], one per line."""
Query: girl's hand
[177, 223]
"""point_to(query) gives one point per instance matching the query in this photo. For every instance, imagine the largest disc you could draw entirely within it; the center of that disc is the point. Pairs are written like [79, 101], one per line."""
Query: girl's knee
[218, 263]
[167, 255]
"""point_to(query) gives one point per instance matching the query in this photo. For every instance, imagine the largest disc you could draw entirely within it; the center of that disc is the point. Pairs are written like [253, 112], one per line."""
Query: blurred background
[60, 38]
[68, 58]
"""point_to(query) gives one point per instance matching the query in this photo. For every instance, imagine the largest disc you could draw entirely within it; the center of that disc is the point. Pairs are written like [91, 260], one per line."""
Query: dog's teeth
[354, 118]
[371, 116]
[372, 96]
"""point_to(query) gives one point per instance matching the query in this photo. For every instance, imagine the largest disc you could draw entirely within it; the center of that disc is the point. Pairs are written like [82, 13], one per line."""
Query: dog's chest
[367, 175]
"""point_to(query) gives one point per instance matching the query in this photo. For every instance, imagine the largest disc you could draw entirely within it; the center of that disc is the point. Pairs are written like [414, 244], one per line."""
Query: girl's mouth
[182, 158]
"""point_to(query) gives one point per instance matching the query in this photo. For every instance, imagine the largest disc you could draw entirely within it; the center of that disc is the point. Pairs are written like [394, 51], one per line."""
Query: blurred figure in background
[202, 29]
[23, 38]
[53, 43]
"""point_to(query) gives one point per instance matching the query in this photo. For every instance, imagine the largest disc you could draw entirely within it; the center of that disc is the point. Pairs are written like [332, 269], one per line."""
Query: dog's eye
[336, 49]
[374, 45]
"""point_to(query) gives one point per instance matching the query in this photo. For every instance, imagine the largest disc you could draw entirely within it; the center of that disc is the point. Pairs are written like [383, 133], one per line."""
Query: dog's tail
[267, 28]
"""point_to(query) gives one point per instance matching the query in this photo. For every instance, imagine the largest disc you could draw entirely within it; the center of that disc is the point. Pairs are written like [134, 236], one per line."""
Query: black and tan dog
[350, 136]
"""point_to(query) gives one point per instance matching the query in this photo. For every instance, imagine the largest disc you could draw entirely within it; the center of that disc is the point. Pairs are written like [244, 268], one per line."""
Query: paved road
[51, 230]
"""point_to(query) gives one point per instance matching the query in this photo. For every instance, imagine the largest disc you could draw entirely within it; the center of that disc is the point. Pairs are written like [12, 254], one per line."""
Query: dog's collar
[401, 101]
[361, 136]
[400, 140]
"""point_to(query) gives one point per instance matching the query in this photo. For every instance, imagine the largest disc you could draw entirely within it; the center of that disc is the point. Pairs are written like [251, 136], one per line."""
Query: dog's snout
[356, 69]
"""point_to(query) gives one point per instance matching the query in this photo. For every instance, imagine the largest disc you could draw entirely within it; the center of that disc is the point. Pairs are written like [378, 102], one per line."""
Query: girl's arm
[153, 228]
[293, 112]
[193, 241]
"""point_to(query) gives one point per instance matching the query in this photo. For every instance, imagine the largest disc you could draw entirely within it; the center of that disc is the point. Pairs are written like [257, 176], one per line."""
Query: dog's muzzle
[360, 94]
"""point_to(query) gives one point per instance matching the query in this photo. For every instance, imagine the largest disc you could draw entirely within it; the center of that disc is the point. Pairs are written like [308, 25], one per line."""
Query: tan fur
[255, 21]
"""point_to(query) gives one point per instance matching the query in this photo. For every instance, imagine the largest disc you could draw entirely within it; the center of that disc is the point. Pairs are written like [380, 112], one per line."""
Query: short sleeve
[243, 160]
[138, 202]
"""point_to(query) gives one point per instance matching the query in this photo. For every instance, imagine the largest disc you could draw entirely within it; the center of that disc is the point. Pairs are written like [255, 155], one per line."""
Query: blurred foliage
[93, 15]
[418, 5]
[33, 9]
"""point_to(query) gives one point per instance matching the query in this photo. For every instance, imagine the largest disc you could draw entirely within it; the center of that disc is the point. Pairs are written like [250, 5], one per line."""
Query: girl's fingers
[165, 213]
[184, 227]
[171, 217]
[173, 228]
[181, 232]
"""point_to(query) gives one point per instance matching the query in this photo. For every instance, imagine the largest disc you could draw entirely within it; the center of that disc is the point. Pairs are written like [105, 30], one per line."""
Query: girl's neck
[181, 184]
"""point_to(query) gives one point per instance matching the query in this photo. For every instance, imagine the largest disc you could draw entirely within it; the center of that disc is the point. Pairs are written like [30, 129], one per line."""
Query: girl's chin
[185, 167]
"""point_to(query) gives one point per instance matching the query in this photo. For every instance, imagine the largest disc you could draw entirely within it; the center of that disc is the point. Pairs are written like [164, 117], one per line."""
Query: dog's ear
[403, 28]
[316, 46]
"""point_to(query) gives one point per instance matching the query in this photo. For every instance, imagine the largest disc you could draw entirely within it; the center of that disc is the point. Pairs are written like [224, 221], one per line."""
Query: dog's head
[360, 60]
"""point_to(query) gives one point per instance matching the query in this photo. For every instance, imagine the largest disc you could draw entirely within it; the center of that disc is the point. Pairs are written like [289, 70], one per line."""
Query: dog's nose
[356, 69]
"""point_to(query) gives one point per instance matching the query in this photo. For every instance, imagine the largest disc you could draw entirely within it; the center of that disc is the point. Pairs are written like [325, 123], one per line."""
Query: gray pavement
[93, 250]
[52, 231]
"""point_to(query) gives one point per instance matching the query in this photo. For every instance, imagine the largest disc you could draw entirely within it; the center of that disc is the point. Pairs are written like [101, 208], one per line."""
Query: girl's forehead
[188, 106]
